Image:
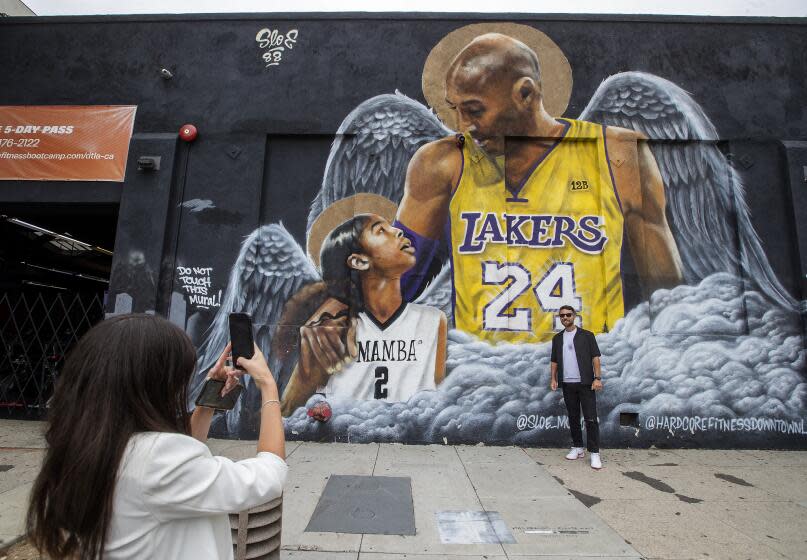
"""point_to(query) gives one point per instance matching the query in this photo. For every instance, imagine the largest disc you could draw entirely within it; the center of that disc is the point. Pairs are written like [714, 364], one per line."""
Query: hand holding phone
[241, 339]
[257, 368]
[244, 349]
[221, 389]
[211, 396]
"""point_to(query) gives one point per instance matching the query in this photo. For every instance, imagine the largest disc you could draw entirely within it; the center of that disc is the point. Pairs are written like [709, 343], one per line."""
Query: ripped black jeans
[577, 396]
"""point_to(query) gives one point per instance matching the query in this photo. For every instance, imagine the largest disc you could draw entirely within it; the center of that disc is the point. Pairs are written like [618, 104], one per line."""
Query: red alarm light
[188, 132]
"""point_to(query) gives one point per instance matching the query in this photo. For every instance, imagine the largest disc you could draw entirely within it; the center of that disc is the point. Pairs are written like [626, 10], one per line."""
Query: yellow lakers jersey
[520, 252]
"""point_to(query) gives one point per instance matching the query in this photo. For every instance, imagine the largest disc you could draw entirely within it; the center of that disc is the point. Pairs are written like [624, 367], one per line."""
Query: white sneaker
[596, 464]
[576, 453]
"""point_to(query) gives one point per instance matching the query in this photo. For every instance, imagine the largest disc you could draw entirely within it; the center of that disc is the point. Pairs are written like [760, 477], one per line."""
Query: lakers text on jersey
[395, 359]
[520, 253]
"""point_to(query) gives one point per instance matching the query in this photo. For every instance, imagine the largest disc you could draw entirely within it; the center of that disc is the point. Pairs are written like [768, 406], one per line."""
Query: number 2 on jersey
[554, 289]
[381, 379]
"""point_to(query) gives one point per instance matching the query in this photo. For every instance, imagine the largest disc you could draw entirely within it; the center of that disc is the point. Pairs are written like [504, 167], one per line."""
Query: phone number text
[19, 142]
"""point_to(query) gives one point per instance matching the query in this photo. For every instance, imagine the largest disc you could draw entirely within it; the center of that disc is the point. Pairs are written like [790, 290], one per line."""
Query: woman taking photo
[127, 473]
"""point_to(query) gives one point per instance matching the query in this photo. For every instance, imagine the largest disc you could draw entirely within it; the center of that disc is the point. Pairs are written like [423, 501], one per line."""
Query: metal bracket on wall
[148, 163]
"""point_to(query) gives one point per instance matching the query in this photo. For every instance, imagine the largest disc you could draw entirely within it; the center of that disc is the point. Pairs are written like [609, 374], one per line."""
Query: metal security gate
[37, 330]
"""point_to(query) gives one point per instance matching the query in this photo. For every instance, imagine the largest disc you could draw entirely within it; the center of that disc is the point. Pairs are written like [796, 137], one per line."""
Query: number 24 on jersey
[555, 288]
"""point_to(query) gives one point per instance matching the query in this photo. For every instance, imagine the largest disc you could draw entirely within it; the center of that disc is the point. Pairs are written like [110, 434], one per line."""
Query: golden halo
[556, 73]
[341, 211]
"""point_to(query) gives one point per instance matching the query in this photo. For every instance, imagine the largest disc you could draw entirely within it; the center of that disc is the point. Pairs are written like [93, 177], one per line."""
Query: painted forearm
[655, 254]
[658, 258]
[440, 360]
[297, 392]
[425, 248]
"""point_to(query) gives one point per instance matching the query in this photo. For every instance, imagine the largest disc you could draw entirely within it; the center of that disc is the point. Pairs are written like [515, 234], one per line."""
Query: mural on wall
[487, 220]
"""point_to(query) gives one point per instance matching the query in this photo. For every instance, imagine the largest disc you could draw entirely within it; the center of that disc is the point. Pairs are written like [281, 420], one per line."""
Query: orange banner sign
[65, 143]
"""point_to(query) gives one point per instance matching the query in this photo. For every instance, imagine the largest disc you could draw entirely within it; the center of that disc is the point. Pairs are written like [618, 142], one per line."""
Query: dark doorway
[55, 264]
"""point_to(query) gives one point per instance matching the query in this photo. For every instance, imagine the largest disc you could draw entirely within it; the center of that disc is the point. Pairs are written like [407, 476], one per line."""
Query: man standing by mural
[534, 208]
[575, 366]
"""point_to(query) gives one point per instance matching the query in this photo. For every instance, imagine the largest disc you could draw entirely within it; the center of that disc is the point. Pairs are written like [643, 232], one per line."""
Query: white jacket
[172, 498]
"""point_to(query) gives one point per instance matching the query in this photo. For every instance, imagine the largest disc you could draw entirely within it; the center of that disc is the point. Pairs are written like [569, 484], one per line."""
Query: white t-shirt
[571, 369]
[172, 498]
[395, 359]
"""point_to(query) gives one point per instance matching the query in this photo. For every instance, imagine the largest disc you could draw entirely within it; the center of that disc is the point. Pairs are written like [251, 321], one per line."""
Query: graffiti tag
[195, 282]
[275, 44]
[535, 422]
[694, 424]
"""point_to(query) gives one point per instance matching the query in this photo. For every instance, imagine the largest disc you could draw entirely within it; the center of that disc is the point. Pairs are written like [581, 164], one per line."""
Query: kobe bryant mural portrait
[446, 237]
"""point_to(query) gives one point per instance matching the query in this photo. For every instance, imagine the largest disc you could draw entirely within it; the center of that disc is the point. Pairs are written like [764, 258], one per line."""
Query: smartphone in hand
[210, 395]
[241, 337]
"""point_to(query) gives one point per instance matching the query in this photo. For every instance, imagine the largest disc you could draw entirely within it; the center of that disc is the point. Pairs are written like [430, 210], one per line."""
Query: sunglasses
[565, 314]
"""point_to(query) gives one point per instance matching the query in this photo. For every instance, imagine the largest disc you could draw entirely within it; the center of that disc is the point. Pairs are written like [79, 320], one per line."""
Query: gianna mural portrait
[398, 348]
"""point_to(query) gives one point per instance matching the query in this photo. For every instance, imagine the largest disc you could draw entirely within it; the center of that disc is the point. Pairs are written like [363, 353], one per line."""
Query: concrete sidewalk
[644, 504]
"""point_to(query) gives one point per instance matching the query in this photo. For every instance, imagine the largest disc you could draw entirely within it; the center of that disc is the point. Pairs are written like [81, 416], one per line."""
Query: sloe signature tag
[275, 44]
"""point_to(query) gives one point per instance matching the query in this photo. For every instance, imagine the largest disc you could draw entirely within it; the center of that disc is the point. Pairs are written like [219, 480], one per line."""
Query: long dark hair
[342, 281]
[128, 374]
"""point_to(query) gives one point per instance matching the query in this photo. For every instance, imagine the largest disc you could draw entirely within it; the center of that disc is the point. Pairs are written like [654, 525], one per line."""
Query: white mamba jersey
[395, 359]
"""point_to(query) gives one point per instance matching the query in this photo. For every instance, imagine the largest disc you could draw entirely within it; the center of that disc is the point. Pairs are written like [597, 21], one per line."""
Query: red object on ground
[188, 132]
[320, 411]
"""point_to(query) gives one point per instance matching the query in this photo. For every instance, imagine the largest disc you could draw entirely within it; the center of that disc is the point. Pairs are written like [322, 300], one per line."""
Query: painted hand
[328, 339]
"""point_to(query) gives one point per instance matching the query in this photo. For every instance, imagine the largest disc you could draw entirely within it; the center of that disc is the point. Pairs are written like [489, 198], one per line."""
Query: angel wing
[269, 269]
[373, 147]
[706, 207]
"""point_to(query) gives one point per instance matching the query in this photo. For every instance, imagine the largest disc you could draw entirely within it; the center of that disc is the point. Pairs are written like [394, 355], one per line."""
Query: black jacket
[585, 346]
